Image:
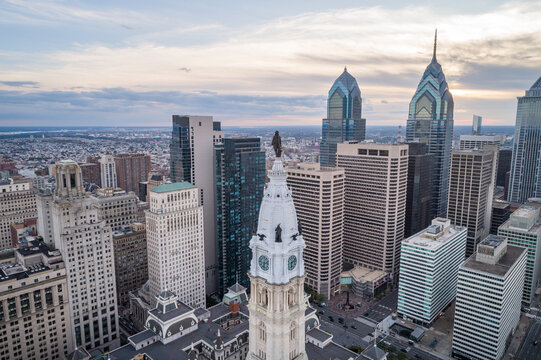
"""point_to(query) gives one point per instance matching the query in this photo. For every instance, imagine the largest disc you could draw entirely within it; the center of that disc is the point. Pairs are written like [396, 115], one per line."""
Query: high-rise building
[375, 203]
[430, 121]
[429, 263]
[34, 308]
[154, 179]
[87, 249]
[192, 160]
[116, 207]
[471, 190]
[501, 210]
[419, 193]
[493, 275]
[478, 141]
[344, 121]
[504, 165]
[525, 178]
[318, 194]
[477, 124]
[277, 304]
[91, 173]
[175, 247]
[131, 265]
[240, 179]
[524, 229]
[17, 203]
[108, 171]
[131, 169]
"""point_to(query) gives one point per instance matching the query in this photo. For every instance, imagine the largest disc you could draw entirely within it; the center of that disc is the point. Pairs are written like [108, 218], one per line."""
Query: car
[404, 350]
[354, 327]
[417, 356]
[340, 320]
[345, 326]
[535, 342]
[321, 312]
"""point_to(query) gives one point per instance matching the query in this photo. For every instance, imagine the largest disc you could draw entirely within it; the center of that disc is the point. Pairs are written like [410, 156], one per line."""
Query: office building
[477, 125]
[375, 203]
[154, 179]
[504, 166]
[419, 191]
[429, 264]
[501, 210]
[116, 207]
[131, 169]
[430, 121]
[525, 178]
[471, 191]
[175, 244]
[318, 195]
[478, 141]
[524, 229]
[17, 204]
[240, 179]
[34, 307]
[87, 249]
[91, 173]
[344, 120]
[493, 275]
[192, 160]
[108, 171]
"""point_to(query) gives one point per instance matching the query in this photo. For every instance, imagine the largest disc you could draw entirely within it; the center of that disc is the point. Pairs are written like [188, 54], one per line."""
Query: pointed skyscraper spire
[435, 45]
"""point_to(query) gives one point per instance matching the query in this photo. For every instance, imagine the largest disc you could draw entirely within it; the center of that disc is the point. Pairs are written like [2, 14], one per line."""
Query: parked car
[354, 327]
[535, 342]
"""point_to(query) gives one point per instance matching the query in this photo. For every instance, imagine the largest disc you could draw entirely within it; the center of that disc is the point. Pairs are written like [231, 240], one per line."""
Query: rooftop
[163, 188]
[435, 236]
[503, 265]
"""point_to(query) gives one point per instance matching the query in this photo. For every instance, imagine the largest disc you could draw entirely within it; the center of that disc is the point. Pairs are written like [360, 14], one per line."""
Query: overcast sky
[255, 63]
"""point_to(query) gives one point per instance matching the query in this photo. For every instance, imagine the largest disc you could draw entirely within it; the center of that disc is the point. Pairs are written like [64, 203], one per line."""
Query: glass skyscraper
[240, 180]
[430, 121]
[525, 179]
[344, 121]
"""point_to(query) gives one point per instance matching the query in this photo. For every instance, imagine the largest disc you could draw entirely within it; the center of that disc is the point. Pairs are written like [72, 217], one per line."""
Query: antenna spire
[435, 44]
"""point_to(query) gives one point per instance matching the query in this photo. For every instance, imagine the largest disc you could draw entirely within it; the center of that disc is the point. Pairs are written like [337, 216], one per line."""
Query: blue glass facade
[344, 121]
[525, 178]
[240, 180]
[430, 121]
[180, 163]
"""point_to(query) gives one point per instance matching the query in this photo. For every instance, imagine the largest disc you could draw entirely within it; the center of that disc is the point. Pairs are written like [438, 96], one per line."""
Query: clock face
[264, 263]
[291, 262]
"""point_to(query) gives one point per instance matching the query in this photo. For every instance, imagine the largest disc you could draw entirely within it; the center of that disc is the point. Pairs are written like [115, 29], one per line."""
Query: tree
[356, 348]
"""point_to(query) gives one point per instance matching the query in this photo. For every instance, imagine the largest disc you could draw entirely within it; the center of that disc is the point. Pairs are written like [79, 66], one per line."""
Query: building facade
[524, 229]
[116, 207]
[131, 169]
[504, 166]
[17, 204]
[192, 160]
[429, 264]
[240, 179]
[375, 203]
[34, 304]
[477, 124]
[478, 141]
[501, 210]
[175, 242]
[430, 121]
[344, 120]
[471, 191]
[318, 195]
[91, 173]
[87, 249]
[419, 192]
[525, 178]
[108, 171]
[493, 275]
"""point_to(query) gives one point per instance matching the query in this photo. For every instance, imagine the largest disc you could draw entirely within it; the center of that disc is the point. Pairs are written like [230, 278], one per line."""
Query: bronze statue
[278, 235]
[277, 144]
[261, 237]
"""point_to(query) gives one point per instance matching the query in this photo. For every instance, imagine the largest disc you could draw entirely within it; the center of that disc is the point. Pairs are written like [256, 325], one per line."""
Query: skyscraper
[318, 194]
[108, 171]
[175, 233]
[419, 194]
[240, 179]
[116, 207]
[504, 165]
[478, 141]
[471, 189]
[477, 124]
[430, 121]
[192, 160]
[375, 203]
[344, 121]
[525, 179]
[131, 169]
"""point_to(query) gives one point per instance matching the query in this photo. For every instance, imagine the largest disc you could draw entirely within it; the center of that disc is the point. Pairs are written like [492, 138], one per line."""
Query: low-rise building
[364, 281]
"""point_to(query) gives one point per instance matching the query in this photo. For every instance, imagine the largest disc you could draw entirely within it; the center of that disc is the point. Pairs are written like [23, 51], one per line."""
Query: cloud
[31, 84]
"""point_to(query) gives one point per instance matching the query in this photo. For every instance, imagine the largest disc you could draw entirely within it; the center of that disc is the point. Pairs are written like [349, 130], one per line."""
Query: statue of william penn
[277, 144]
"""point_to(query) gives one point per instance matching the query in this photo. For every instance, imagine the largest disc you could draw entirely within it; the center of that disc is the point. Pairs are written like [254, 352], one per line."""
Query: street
[529, 350]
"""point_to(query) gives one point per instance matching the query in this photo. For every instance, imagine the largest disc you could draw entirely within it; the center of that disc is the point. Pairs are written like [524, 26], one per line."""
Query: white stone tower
[277, 303]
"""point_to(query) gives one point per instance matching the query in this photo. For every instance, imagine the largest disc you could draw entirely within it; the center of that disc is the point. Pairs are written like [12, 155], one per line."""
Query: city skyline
[137, 65]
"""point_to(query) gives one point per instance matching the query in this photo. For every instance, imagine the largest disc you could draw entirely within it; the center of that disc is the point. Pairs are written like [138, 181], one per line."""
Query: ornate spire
[345, 69]
[435, 45]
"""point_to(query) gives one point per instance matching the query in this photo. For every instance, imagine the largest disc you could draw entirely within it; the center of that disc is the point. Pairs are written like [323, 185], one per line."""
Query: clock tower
[277, 301]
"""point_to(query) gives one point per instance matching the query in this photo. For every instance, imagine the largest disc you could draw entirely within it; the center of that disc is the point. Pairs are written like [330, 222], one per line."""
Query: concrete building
[17, 203]
[477, 124]
[318, 195]
[375, 203]
[29, 227]
[131, 169]
[525, 178]
[524, 229]
[193, 160]
[131, 264]
[365, 282]
[488, 300]
[419, 190]
[504, 166]
[108, 171]
[91, 173]
[116, 207]
[34, 307]
[87, 249]
[175, 242]
[501, 210]
[479, 141]
[429, 264]
[471, 190]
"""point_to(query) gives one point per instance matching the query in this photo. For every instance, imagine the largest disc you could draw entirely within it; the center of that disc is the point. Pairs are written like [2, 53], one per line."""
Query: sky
[250, 63]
